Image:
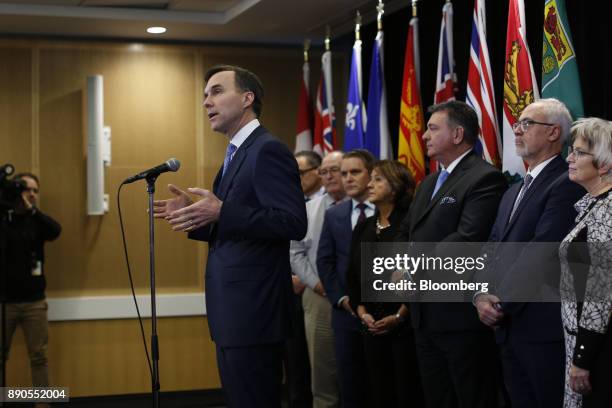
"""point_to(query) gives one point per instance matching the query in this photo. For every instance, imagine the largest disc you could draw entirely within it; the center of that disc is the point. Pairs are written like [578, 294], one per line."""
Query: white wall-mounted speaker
[97, 201]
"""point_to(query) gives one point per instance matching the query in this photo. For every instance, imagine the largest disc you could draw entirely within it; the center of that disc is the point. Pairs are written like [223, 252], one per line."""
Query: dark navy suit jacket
[333, 259]
[475, 189]
[545, 214]
[248, 277]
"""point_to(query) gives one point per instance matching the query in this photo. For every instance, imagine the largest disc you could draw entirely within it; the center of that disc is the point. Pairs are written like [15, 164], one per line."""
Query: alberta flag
[377, 139]
[355, 113]
[560, 77]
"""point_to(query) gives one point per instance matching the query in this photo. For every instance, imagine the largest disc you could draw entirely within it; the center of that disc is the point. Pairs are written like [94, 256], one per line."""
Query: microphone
[171, 165]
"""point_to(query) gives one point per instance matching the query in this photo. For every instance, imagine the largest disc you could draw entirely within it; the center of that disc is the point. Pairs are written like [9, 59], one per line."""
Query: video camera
[10, 189]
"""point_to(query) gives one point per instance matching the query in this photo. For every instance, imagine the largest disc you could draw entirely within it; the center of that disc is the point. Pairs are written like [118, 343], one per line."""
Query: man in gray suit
[317, 309]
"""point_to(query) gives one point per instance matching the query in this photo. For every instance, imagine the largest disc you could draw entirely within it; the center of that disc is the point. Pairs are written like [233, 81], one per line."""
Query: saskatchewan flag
[560, 77]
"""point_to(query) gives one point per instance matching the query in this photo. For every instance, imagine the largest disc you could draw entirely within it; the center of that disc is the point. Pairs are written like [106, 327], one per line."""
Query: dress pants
[320, 341]
[251, 376]
[458, 369]
[350, 358]
[297, 366]
[393, 370]
[32, 317]
[534, 373]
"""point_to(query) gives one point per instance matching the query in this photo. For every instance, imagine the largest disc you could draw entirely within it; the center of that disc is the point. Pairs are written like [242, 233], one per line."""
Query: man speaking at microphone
[255, 209]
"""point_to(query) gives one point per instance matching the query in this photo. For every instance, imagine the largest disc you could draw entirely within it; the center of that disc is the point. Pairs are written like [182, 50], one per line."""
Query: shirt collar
[316, 194]
[244, 133]
[538, 169]
[366, 202]
[455, 162]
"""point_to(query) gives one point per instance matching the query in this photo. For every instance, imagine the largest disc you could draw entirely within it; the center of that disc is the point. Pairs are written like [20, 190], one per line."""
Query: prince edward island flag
[559, 67]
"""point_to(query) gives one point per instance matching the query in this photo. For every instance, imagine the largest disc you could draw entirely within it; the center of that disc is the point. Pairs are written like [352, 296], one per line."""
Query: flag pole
[414, 8]
[380, 8]
[357, 26]
[327, 38]
[306, 49]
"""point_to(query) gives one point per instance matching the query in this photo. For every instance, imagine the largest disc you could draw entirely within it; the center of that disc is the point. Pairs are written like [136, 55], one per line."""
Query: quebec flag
[355, 110]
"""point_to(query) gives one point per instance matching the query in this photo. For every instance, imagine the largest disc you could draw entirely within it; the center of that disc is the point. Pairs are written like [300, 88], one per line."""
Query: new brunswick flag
[560, 77]
[410, 149]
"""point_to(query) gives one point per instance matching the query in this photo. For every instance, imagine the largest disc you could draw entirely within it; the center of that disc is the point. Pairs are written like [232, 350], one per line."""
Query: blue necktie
[441, 179]
[231, 149]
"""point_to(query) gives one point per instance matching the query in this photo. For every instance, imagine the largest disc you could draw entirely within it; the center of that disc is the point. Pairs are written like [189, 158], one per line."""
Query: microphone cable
[129, 270]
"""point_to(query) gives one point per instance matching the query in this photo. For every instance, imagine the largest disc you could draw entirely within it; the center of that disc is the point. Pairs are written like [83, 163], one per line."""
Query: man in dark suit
[538, 210]
[457, 204]
[332, 262]
[255, 209]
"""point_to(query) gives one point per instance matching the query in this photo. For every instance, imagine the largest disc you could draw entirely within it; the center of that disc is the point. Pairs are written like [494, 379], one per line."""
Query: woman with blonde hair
[586, 270]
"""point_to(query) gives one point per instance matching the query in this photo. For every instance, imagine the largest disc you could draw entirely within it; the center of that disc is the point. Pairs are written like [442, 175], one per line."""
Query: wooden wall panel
[153, 103]
[107, 357]
[16, 107]
[148, 103]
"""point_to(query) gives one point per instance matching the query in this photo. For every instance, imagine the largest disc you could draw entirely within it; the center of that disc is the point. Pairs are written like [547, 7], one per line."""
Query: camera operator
[27, 230]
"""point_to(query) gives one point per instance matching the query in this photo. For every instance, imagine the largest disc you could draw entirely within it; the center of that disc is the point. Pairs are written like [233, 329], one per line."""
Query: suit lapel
[346, 218]
[217, 181]
[507, 207]
[536, 186]
[450, 182]
[242, 152]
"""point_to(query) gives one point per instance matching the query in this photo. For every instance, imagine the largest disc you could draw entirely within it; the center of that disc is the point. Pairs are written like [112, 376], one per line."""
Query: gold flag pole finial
[414, 7]
[327, 38]
[357, 26]
[380, 8]
[306, 49]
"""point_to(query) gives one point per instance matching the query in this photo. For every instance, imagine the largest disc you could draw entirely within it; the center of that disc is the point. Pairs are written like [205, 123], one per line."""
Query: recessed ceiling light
[156, 30]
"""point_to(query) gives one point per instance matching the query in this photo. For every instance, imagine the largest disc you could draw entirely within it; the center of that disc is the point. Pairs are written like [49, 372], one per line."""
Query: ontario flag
[445, 78]
[410, 145]
[520, 86]
[480, 94]
[377, 139]
[325, 126]
[303, 137]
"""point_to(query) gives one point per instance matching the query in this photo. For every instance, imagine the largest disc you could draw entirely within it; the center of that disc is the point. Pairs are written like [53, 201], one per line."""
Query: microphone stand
[154, 343]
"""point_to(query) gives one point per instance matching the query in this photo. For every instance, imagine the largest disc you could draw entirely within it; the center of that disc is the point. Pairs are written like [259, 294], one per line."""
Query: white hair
[556, 112]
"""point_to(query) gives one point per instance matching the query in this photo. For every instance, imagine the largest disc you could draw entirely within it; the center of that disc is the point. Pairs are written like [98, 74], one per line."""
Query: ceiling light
[156, 30]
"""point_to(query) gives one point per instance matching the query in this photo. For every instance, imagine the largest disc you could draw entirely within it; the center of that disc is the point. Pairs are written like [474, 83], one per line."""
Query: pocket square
[447, 200]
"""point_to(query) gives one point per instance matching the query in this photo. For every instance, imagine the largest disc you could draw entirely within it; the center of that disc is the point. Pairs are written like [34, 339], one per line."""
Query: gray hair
[556, 112]
[597, 134]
